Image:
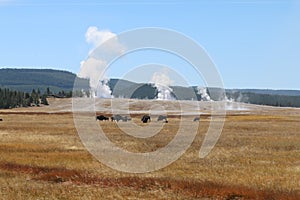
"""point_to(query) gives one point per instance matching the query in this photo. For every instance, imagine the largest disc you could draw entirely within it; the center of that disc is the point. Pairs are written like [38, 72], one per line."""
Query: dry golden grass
[256, 157]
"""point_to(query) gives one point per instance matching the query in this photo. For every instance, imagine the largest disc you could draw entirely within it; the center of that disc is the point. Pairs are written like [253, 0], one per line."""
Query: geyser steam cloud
[202, 91]
[93, 68]
[162, 82]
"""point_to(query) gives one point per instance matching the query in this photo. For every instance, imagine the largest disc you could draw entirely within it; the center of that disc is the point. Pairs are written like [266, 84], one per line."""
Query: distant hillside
[128, 89]
[274, 98]
[27, 79]
[283, 98]
[265, 91]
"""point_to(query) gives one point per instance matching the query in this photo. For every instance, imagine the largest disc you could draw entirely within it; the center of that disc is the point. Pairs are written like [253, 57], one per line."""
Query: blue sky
[254, 44]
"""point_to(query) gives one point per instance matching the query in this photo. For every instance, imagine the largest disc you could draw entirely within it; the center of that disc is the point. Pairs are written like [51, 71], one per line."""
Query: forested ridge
[265, 99]
[31, 87]
[27, 79]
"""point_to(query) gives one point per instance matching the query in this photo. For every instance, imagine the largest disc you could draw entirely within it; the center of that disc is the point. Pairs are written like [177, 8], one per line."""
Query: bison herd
[113, 118]
[118, 118]
[144, 119]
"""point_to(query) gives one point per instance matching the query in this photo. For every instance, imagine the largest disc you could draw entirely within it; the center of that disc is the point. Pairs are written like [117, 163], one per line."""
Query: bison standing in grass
[146, 118]
[116, 118]
[102, 118]
[196, 119]
[162, 118]
[125, 119]
[119, 117]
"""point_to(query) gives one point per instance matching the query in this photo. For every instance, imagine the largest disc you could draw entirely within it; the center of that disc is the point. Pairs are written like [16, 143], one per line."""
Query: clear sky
[254, 44]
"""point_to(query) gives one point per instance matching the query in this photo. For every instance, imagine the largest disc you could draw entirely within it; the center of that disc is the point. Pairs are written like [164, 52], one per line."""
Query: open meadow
[256, 157]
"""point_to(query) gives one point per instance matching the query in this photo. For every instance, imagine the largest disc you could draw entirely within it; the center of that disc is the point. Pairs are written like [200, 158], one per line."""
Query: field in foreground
[256, 157]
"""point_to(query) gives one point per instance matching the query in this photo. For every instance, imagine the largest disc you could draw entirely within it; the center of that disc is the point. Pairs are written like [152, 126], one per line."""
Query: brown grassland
[256, 157]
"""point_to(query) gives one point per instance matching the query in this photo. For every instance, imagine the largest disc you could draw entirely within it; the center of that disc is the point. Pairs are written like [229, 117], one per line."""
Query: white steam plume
[235, 104]
[93, 68]
[202, 91]
[162, 82]
[103, 90]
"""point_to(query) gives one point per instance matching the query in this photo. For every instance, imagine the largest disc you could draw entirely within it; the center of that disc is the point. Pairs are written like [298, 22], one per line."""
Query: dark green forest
[13, 99]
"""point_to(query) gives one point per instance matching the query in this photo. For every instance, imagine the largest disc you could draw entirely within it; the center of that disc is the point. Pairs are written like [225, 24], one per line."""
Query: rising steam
[202, 91]
[94, 67]
[162, 82]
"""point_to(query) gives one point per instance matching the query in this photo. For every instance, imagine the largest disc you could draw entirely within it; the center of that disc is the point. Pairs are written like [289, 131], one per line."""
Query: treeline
[68, 94]
[265, 99]
[13, 99]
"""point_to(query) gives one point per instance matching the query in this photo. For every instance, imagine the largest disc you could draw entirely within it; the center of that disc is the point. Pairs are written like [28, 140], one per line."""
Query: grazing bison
[102, 118]
[125, 119]
[146, 118]
[196, 119]
[119, 117]
[161, 118]
[116, 118]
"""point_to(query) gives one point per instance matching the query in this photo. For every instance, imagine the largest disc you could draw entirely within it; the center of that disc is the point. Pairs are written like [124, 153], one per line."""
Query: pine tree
[44, 100]
[48, 92]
